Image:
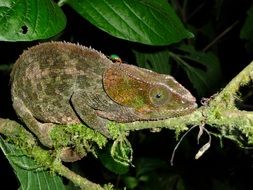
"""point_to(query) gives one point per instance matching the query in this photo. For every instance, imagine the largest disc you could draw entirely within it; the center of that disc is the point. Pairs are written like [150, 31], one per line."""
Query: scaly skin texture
[63, 83]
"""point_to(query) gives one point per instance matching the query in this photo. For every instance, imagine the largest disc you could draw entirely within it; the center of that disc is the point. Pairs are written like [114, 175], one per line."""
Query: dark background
[227, 167]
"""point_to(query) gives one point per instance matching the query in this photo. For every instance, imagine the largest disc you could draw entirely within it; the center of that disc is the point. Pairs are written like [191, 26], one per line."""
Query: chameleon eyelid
[161, 90]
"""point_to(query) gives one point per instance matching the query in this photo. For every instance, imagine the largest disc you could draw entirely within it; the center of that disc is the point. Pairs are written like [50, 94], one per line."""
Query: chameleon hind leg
[40, 130]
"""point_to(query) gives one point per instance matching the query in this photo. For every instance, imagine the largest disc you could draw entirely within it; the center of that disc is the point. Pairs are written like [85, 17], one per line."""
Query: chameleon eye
[159, 95]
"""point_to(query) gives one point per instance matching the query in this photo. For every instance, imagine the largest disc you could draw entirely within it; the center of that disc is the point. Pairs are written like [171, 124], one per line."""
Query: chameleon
[65, 83]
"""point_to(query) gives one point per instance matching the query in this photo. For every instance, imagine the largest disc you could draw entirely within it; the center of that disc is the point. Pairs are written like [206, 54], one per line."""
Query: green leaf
[247, 29]
[130, 182]
[5, 67]
[122, 151]
[205, 75]
[147, 165]
[109, 162]
[118, 156]
[30, 175]
[26, 20]
[157, 61]
[147, 21]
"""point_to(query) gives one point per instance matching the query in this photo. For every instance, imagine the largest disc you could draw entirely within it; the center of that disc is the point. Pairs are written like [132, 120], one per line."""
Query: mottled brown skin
[64, 83]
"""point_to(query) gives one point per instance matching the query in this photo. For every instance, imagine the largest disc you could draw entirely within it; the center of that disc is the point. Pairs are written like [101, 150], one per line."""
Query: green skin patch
[115, 58]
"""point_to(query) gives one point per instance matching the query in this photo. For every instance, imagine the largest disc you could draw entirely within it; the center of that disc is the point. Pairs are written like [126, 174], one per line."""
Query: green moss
[116, 129]
[108, 187]
[42, 157]
[79, 137]
[28, 145]
[246, 127]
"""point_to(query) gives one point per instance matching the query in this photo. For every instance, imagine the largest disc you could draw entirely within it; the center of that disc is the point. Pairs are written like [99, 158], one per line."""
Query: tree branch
[25, 140]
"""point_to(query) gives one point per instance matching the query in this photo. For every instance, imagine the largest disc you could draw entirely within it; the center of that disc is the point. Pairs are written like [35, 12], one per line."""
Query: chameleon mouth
[185, 110]
[189, 98]
[190, 108]
[154, 116]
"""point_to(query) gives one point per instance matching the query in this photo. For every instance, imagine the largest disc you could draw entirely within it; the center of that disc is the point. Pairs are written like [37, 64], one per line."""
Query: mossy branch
[25, 140]
[219, 112]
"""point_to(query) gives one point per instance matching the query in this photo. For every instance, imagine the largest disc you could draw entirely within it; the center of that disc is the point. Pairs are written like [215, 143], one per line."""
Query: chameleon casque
[64, 83]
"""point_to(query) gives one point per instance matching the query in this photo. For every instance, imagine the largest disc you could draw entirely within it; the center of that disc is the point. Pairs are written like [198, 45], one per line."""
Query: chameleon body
[64, 83]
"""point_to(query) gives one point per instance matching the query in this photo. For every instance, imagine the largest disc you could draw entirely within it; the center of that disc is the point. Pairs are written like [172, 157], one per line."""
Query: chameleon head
[169, 99]
[152, 95]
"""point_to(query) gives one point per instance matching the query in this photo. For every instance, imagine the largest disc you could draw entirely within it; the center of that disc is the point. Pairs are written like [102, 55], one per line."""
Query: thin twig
[220, 36]
[195, 11]
[179, 142]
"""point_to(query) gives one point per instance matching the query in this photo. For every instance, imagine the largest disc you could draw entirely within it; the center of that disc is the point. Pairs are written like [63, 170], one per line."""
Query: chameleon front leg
[83, 105]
